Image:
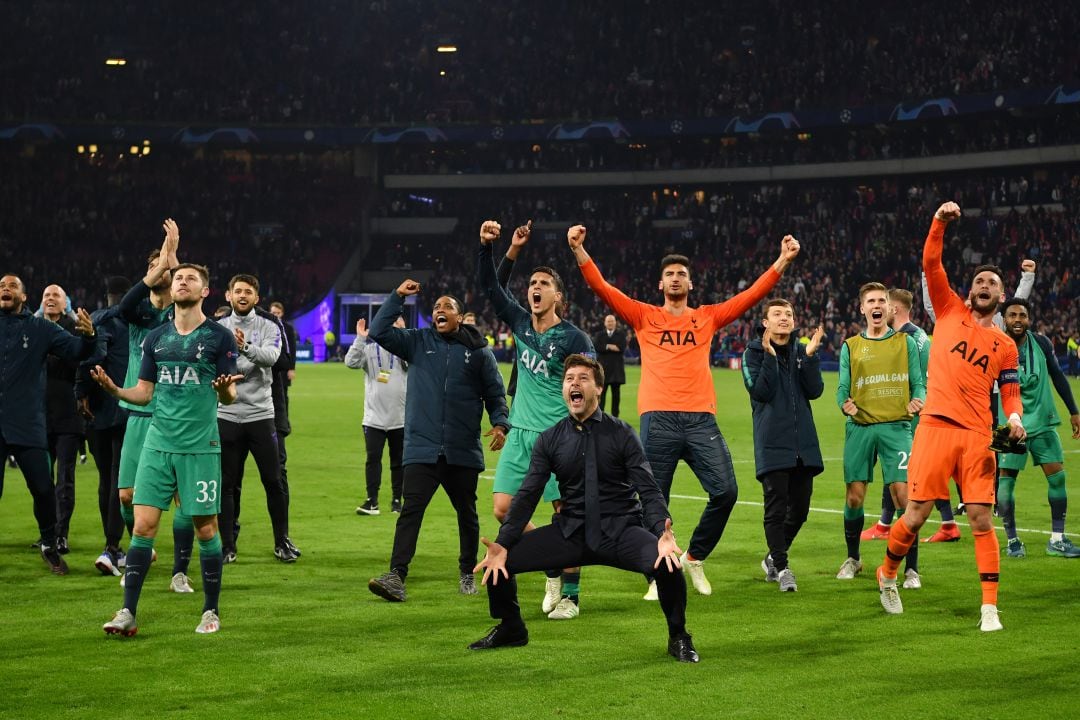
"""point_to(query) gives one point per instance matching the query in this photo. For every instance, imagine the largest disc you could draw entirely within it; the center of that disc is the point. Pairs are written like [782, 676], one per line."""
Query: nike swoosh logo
[430, 352]
[713, 438]
[159, 349]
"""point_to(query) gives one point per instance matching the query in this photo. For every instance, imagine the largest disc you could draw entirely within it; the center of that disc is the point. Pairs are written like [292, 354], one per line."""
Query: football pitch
[309, 641]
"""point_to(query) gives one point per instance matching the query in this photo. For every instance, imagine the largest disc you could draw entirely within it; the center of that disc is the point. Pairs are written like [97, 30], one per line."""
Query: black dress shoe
[501, 636]
[682, 649]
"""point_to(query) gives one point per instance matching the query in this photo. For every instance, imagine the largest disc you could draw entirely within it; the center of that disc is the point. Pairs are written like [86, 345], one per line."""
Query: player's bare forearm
[937, 282]
[581, 255]
[227, 395]
[139, 394]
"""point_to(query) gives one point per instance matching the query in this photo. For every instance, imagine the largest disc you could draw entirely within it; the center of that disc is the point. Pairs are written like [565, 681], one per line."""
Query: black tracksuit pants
[418, 488]
[34, 463]
[105, 445]
[374, 441]
[787, 503]
[260, 439]
[64, 453]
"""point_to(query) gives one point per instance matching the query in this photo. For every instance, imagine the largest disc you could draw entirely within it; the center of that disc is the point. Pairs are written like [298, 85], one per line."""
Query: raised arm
[1023, 288]
[731, 309]
[941, 296]
[396, 340]
[1027, 279]
[129, 304]
[517, 243]
[357, 358]
[631, 311]
[166, 259]
[505, 306]
[926, 302]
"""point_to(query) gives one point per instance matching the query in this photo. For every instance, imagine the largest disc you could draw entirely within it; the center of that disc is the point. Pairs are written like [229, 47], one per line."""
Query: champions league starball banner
[237, 136]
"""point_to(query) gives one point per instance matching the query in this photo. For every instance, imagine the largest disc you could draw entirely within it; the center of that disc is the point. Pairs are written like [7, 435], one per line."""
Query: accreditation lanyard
[384, 375]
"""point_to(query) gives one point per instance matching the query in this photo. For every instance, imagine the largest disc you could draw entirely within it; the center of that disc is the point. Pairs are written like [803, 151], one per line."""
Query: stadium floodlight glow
[446, 49]
[113, 61]
[442, 73]
[80, 149]
[134, 149]
[146, 150]
[93, 149]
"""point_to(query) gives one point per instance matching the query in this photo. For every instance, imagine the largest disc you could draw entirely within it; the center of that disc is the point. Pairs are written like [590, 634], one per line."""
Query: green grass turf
[309, 640]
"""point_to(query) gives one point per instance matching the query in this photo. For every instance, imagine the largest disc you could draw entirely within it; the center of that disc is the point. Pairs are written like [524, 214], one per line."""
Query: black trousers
[260, 439]
[419, 486]
[616, 392]
[787, 503]
[283, 459]
[693, 437]
[34, 463]
[64, 453]
[634, 549]
[374, 440]
[105, 445]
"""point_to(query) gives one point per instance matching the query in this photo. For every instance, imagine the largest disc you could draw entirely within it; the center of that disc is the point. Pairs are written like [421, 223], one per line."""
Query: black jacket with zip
[452, 379]
[781, 389]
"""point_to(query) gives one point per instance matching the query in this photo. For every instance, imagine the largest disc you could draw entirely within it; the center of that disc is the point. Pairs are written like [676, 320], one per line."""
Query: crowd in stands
[978, 133]
[76, 219]
[850, 233]
[376, 62]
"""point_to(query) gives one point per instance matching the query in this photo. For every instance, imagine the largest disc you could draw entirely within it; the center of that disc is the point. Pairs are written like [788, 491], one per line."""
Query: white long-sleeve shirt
[385, 384]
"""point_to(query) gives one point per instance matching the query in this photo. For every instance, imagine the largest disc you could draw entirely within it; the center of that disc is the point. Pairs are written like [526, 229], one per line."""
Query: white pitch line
[834, 512]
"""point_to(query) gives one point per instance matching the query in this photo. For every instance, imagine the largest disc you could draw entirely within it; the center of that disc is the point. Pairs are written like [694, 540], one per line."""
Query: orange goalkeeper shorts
[941, 450]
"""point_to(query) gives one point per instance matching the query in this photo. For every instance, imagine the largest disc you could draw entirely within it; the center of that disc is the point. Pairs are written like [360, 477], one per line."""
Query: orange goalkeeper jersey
[965, 357]
[675, 372]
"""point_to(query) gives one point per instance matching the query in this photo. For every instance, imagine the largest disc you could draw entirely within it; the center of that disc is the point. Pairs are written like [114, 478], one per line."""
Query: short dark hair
[201, 269]
[777, 302]
[154, 254]
[674, 260]
[457, 303]
[902, 296]
[277, 305]
[1022, 302]
[870, 287]
[559, 286]
[22, 283]
[992, 268]
[245, 278]
[579, 360]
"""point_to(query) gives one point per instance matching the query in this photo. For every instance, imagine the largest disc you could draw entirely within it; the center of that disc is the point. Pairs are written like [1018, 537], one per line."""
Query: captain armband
[1008, 376]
